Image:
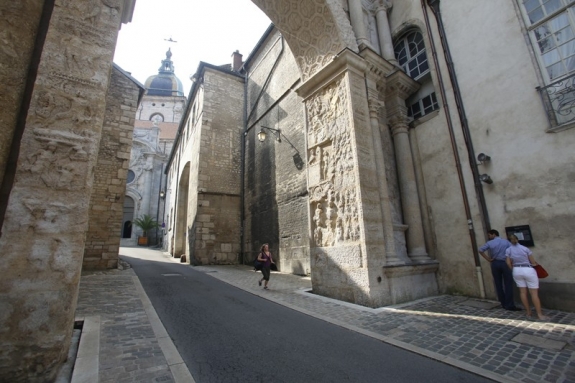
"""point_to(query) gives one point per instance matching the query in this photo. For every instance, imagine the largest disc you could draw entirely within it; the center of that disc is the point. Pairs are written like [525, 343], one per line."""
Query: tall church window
[411, 56]
[551, 27]
[553, 33]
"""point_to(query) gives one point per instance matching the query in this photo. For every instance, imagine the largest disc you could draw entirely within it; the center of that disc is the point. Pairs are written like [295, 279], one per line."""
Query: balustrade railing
[559, 100]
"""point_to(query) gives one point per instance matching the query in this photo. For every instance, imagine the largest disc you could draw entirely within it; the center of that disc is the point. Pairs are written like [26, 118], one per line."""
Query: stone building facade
[203, 183]
[390, 200]
[390, 138]
[155, 128]
[109, 185]
[58, 58]
[274, 171]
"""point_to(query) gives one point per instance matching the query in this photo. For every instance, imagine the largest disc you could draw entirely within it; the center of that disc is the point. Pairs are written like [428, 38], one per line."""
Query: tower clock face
[157, 118]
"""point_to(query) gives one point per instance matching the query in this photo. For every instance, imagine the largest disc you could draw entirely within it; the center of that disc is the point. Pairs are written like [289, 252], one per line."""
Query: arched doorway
[128, 217]
[182, 212]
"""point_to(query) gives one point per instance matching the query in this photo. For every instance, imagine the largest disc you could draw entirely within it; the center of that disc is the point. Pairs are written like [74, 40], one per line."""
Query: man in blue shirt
[502, 275]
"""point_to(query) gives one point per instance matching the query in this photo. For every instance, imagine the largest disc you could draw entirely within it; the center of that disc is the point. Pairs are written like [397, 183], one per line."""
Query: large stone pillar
[357, 23]
[352, 248]
[44, 228]
[383, 30]
[375, 83]
[347, 242]
[399, 87]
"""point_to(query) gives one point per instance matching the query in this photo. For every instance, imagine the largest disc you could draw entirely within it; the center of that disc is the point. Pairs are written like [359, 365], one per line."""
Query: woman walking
[520, 260]
[265, 257]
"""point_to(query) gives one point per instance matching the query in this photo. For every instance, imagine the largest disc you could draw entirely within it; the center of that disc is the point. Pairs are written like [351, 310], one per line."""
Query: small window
[131, 176]
[411, 56]
[423, 106]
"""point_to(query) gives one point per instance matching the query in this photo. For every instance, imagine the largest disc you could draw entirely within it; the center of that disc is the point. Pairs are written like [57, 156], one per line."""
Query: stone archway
[182, 213]
[342, 89]
[357, 246]
[315, 30]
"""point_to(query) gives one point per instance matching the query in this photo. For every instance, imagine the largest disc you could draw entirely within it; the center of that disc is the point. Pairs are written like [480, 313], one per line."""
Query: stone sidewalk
[123, 339]
[470, 334]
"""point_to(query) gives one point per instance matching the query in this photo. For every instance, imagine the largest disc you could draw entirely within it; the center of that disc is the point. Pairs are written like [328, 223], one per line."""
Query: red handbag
[541, 272]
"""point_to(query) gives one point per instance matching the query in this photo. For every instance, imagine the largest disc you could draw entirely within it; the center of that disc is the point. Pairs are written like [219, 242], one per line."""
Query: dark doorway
[127, 230]
[128, 217]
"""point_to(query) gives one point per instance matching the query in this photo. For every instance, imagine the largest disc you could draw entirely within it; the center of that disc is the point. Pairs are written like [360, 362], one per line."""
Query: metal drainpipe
[434, 5]
[12, 160]
[455, 155]
[243, 168]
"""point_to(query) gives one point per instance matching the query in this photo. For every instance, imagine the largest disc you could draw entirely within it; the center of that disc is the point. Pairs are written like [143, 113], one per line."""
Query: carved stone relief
[332, 180]
[60, 162]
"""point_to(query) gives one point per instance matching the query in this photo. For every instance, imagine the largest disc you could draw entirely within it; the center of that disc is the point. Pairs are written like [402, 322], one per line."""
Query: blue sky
[205, 30]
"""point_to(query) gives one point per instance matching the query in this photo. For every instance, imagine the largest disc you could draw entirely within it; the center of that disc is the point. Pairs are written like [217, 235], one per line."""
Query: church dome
[165, 83]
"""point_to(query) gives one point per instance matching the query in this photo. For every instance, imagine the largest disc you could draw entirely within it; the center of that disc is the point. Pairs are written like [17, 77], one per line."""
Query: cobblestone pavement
[471, 334]
[129, 348]
[468, 333]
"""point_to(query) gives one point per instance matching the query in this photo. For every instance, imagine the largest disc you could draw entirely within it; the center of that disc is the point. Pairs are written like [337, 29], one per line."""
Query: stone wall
[19, 21]
[531, 168]
[109, 187]
[214, 213]
[276, 190]
[43, 233]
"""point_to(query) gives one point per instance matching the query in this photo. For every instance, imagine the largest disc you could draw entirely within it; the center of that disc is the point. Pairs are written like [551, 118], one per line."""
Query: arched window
[131, 176]
[157, 117]
[411, 56]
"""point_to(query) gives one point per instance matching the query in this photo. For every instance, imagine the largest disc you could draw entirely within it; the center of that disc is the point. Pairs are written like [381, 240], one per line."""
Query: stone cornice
[400, 85]
[128, 11]
[376, 65]
[346, 60]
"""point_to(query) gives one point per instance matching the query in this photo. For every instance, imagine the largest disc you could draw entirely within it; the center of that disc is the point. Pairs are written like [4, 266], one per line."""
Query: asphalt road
[225, 334]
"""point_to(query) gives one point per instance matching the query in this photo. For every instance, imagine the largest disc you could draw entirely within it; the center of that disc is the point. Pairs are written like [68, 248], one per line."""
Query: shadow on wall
[262, 178]
[192, 243]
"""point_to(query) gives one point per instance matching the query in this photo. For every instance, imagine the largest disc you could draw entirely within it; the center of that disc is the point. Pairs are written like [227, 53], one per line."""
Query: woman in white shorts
[520, 260]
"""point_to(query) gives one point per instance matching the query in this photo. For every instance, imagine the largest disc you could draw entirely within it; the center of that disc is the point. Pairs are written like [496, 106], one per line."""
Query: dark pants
[266, 273]
[503, 278]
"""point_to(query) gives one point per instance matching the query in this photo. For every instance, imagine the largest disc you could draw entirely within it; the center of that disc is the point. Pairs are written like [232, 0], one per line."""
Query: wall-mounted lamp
[162, 194]
[297, 160]
[485, 178]
[262, 134]
[482, 157]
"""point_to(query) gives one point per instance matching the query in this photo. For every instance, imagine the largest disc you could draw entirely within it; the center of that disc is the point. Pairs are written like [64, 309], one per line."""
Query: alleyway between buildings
[124, 340]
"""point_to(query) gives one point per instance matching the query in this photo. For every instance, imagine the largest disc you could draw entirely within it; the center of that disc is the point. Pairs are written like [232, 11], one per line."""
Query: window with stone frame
[423, 106]
[551, 28]
[412, 57]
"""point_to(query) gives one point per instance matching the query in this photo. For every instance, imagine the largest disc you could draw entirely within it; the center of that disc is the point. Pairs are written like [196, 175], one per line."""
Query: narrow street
[225, 334]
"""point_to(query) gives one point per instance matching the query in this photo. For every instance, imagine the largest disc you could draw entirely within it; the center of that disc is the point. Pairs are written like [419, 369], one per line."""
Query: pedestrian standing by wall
[502, 276]
[265, 257]
[520, 260]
